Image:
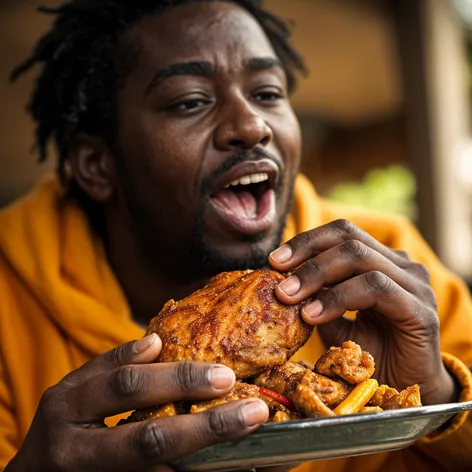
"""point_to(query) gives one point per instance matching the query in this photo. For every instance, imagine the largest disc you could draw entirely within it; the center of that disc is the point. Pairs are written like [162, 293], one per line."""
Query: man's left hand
[342, 268]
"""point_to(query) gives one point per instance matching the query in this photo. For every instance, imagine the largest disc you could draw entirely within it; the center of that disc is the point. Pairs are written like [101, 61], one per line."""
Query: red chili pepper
[278, 398]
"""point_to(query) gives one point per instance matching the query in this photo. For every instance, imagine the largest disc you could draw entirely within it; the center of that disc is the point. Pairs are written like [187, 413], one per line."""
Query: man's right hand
[68, 432]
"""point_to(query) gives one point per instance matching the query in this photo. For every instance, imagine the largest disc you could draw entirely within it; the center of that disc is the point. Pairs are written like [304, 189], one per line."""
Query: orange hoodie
[60, 305]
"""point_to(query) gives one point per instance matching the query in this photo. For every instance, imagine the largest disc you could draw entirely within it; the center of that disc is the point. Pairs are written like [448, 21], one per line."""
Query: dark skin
[175, 135]
[172, 137]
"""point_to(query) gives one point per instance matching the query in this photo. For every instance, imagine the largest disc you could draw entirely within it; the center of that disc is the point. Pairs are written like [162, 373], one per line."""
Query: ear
[92, 167]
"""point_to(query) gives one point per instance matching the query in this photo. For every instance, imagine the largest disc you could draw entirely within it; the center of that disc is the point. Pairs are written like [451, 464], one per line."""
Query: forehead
[216, 31]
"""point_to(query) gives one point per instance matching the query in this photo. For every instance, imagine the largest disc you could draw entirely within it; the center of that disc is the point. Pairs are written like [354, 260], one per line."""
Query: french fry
[358, 398]
[370, 409]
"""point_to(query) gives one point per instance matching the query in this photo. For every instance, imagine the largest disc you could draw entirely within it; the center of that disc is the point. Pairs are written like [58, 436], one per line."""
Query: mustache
[255, 154]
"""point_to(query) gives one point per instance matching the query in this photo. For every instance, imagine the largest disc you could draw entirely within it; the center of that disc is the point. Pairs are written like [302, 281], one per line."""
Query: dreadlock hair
[85, 57]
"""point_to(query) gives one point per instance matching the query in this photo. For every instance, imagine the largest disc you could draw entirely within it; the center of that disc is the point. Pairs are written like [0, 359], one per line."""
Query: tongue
[241, 203]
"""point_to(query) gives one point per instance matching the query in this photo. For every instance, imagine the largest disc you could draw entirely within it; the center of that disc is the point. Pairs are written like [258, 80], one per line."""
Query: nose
[241, 128]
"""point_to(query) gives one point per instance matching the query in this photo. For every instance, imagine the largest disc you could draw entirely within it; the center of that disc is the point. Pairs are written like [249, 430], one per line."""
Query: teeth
[249, 179]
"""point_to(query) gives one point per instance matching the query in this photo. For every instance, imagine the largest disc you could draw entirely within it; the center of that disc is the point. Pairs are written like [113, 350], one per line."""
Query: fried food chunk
[154, 413]
[243, 390]
[285, 379]
[235, 320]
[309, 402]
[382, 395]
[349, 362]
[408, 398]
[280, 417]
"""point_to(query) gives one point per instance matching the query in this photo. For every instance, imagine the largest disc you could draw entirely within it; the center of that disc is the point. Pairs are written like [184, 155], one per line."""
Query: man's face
[209, 144]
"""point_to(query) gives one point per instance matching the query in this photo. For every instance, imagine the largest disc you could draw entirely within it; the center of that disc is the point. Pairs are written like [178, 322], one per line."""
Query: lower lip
[262, 223]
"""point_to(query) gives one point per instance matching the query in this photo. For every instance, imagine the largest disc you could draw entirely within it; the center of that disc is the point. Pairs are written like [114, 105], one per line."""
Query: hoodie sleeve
[9, 437]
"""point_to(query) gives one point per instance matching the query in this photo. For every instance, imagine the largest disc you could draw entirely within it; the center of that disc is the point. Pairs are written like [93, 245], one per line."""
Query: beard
[210, 261]
[196, 253]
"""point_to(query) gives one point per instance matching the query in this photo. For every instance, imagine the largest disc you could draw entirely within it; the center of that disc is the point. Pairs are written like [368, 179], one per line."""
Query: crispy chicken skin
[349, 362]
[383, 394]
[408, 398]
[235, 320]
[285, 379]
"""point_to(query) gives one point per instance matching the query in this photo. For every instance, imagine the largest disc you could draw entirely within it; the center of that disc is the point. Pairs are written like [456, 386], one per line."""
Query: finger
[142, 351]
[305, 246]
[134, 387]
[373, 290]
[340, 263]
[147, 443]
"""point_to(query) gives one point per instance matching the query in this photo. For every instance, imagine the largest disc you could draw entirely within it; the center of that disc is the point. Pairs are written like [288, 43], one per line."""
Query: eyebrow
[257, 64]
[207, 69]
[197, 68]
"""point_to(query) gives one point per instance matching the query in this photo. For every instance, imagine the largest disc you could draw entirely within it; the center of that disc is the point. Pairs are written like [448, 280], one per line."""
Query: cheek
[166, 160]
[287, 136]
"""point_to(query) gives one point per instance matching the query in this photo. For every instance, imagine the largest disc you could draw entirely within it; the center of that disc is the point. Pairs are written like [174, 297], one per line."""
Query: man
[178, 154]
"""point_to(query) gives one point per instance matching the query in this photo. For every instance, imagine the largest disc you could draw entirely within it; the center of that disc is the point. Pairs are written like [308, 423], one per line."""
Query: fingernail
[313, 309]
[221, 377]
[290, 286]
[254, 413]
[145, 343]
[282, 254]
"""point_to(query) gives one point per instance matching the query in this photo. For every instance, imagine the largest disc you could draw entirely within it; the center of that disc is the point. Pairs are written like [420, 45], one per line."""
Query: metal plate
[323, 438]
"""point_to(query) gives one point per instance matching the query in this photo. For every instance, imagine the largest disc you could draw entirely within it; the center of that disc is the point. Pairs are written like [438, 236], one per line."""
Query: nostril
[265, 140]
[237, 143]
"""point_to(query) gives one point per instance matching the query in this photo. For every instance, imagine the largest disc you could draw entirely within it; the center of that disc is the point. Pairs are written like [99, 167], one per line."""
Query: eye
[188, 105]
[268, 96]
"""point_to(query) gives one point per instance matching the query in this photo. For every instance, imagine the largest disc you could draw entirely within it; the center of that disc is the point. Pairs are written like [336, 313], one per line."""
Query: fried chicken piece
[285, 379]
[309, 402]
[154, 413]
[235, 320]
[243, 390]
[408, 398]
[382, 395]
[348, 362]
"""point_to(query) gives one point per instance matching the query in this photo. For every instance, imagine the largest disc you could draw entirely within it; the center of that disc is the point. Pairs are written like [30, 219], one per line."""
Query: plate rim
[332, 421]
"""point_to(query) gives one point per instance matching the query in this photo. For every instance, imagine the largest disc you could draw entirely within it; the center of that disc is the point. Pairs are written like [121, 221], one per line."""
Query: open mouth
[245, 197]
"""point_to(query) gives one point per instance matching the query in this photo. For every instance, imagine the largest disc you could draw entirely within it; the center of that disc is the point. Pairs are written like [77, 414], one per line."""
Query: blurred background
[385, 111]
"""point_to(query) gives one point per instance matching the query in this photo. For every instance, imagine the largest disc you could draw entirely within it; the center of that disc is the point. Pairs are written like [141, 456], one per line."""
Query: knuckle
[430, 295]
[218, 424]
[379, 282]
[402, 254]
[303, 239]
[330, 298]
[311, 269]
[51, 403]
[119, 355]
[347, 228]
[429, 322]
[355, 249]
[153, 442]
[420, 270]
[188, 377]
[126, 381]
